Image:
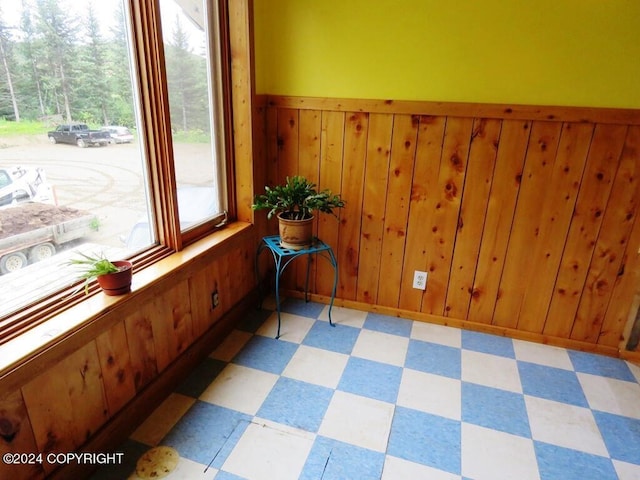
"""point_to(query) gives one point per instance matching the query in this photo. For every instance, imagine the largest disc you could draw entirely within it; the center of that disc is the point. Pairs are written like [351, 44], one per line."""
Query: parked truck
[31, 232]
[79, 134]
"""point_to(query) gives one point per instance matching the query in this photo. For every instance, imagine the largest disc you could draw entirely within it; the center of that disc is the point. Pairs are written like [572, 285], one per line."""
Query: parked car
[118, 134]
[78, 134]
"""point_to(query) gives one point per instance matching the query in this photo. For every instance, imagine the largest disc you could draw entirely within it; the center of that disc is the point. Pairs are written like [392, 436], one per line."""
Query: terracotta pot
[295, 234]
[117, 283]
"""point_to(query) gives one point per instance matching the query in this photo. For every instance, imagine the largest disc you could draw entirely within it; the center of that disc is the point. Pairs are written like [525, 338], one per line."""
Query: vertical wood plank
[171, 324]
[288, 165]
[141, 347]
[423, 188]
[602, 164]
[201, 286]
[115, 363]
[557, 210]
[352, 191]
[609, 254]
[332, 144]
[514, 137]
[271, 170]
[16, 436]
[442, 232]
[538, 170]
[475, 197]
[375, 186]
[63, 421]
[398, 196]
[310, 132]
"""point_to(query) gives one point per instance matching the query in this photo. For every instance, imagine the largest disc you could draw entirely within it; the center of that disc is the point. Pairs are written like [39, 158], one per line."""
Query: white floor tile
[189, 470]
[430, 393]
[399, 469]
[381, 347]
[361, 421]
[231, 345]
[317, 366]
[564, 425]
[441, 334]
[611, 395]
[491, 371]
[163, 418]
[635, 369]
[267, 453]
[542, 354]
[344, 316]
[492, 455]
[626, 471]
[240, 388]
[293, 328]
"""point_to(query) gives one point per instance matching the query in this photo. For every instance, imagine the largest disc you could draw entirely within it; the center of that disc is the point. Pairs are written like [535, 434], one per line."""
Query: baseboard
[464, 324]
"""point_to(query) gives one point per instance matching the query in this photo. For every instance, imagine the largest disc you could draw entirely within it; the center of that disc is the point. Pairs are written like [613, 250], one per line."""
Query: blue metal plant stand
[284, 256]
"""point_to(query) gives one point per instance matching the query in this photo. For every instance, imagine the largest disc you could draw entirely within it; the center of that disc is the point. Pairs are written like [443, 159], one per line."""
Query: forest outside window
[86, 158]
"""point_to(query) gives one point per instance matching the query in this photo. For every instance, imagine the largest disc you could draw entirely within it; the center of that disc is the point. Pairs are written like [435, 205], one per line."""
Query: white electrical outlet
[420, 280]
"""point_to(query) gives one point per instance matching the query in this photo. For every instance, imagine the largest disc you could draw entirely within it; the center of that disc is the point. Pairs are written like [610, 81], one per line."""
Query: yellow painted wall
[542, 52]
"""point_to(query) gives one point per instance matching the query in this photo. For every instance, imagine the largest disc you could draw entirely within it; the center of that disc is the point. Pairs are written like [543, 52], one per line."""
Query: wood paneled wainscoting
[91, 388]
[525, 218]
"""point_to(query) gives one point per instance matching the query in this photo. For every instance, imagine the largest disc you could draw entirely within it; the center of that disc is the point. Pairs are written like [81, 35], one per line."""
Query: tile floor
[379, 397]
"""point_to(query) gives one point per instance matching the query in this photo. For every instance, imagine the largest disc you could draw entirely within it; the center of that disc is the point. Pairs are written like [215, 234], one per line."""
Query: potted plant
[113, 277]
[294, 203]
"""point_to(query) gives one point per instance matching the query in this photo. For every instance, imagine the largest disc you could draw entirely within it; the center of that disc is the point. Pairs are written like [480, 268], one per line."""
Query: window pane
[74, 189]
[190, 59]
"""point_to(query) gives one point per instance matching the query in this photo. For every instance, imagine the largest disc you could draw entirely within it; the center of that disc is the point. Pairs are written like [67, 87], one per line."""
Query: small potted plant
[113, 277]
[294, 203]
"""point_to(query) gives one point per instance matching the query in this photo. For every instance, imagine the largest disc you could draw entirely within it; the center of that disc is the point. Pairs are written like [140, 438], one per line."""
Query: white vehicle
[20, 184]
[118, 134]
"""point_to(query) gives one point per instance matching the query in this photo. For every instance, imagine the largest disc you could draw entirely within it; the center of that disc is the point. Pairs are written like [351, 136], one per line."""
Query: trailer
[31, 232]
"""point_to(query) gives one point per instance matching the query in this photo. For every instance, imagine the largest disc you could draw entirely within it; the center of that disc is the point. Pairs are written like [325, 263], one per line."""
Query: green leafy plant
[296, 199]
[91, 267]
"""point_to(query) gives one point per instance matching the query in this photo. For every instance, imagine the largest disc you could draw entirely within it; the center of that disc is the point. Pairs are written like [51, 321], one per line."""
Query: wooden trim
[121, 426]
[241, 40]
[454, 109]
[467, 325]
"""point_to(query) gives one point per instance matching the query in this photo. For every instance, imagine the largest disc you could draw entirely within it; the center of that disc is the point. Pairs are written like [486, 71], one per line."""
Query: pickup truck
[31, 232]
[79, 134]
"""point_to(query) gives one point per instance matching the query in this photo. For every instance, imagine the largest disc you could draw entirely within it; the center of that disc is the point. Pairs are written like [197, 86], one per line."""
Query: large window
[111, 139]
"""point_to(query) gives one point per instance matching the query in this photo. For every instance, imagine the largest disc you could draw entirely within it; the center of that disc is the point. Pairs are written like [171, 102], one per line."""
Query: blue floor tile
[485, 343]
[340, 338]
[371, 379]
[298, 306]
[551, 383]
[200, 377]
[434, 358]
[297, 404]
[333, 460]
[621, 436]
[601, 365]
[207, 433]
[496, 409]
[557, 463]
[427, 439]
[388, 324]
[267, 354]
